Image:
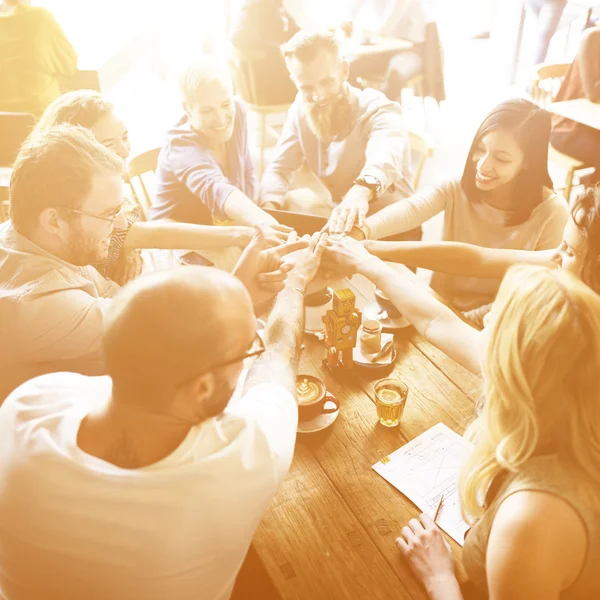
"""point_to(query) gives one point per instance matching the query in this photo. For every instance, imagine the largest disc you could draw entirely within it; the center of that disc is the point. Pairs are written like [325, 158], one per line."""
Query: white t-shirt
[73, 526]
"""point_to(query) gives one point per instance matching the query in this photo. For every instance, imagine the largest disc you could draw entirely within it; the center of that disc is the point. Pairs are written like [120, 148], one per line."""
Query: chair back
[241, 64]
[4, 204]
[420, 148]
[14, 128]
[547, 80]
[142, 172]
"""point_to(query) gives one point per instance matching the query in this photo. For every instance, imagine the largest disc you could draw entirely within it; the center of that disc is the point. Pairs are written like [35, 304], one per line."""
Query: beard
[84, 250]
[333, 119]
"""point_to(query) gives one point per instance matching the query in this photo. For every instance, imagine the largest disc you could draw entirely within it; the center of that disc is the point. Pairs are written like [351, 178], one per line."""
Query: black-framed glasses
[110, 219]
[256, 349]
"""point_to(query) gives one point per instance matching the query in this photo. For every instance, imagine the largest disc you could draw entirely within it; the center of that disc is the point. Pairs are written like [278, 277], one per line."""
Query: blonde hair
[542, 383]
[203, 72]
[80, 107]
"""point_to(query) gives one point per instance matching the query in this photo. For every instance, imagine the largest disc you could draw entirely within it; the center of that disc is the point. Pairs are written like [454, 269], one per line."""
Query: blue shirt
[190, 180]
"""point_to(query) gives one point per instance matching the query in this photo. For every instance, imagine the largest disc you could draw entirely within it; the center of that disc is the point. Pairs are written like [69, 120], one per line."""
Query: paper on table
[427, 467]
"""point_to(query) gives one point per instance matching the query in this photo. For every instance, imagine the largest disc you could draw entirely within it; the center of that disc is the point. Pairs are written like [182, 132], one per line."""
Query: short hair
[55, 168]
[531, 126]
[586, 216]
[81, 107]
[305, 45]
[197, 75]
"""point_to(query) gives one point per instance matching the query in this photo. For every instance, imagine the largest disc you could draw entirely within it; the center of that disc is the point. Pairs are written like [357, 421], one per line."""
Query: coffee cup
[386, 304]
[313, 397]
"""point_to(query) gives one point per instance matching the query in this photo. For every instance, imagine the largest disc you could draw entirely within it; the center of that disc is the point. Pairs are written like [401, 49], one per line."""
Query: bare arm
[173, 236]
[431, 318]
[240, 209]
[456, 258]
[536, 547]
[283, 334]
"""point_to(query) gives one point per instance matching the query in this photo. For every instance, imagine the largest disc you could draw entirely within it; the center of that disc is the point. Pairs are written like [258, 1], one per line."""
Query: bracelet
[303, 292]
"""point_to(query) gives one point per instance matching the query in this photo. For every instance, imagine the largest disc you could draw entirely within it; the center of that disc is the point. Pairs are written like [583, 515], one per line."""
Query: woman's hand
[346, 255]
[426, 551]
[128, 267]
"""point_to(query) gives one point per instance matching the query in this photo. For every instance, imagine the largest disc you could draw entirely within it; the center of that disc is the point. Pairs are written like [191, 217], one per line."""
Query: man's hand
[304, 264]
[261, 269]
[352, 210]
[346, 255]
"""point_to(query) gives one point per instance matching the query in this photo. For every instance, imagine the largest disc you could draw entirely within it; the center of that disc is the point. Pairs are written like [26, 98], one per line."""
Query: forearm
[282, 338]
[186, 236]
[435, 321]
[453, 258]
[240, 209]
[444, 588]
[404, 215]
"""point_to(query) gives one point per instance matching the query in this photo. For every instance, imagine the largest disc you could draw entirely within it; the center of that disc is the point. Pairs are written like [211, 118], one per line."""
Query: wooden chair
[14, 128]
[4, 204]
[420, 149]
[546, 83]
[141, 165]
[242, 71]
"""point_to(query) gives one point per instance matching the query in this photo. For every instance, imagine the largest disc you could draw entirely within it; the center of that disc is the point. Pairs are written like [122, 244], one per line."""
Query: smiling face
[111, 132]
[212, 112]
[572, 252]
[498, 159]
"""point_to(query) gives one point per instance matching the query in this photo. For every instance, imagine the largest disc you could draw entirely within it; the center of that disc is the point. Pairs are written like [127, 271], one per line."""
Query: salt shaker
[370, 337]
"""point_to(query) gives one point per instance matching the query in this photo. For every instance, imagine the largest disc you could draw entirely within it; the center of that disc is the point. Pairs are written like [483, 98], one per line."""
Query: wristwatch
[371, 183]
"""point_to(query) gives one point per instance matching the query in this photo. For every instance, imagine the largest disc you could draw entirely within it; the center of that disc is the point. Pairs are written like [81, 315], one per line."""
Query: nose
[557, 257]
[223, 117]
[484, 164]
[122, 149]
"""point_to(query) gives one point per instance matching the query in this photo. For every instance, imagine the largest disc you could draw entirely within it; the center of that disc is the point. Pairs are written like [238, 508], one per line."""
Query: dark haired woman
[503, 200]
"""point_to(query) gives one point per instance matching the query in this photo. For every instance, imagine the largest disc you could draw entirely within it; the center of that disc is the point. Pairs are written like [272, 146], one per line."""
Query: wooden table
[582, 110]
[329, 533]
[353, 48]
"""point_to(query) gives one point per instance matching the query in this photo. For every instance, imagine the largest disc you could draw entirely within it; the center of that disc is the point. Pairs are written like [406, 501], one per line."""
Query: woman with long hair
[91, 110]
[578, 253]
[504, 199]
[531, 487]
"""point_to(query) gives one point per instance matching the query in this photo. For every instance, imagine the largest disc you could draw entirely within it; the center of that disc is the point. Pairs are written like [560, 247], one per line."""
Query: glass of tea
[390, 399]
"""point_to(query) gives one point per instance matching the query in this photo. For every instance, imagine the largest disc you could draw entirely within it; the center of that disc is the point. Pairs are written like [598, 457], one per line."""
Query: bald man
[146, 483]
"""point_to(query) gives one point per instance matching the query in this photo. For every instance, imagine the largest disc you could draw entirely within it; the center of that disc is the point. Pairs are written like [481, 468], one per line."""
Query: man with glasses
[157, 482]
[66, 198]
[354, 141]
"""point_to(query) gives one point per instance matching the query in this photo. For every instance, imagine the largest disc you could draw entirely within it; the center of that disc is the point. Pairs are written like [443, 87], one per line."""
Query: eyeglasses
[256, 349]
[110, 220]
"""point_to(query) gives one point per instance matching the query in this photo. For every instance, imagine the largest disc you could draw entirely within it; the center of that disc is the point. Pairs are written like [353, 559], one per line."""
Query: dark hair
[305, 44]
[531, 126]
[80, 107]
[586, 215]
[55, 168]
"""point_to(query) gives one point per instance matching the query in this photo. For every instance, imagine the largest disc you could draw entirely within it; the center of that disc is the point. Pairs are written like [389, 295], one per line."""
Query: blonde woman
[531, 487]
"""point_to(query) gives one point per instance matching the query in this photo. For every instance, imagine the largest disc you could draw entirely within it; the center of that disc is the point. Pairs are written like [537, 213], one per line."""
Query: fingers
[427, 521]
[361, 219]
[340, 221]
[273, 288]
[320, 247]
[278, 275]
[415, 527]
[282, 228]
[349, 223]
[402, 545]
[290, 247]
[408, 535]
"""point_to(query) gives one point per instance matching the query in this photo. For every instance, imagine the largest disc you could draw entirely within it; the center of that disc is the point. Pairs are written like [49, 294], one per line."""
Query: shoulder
[373, 103]
[590, 39]
[53, 393]
[553, 204]
[267, 396]
[536, 532]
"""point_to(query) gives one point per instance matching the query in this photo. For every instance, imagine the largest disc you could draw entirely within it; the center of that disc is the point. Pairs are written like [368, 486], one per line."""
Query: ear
[199, 390]
[51, 222]
[345, 69]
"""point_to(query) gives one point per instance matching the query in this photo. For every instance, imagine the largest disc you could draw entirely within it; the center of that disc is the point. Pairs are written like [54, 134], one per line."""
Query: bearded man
[354, 141]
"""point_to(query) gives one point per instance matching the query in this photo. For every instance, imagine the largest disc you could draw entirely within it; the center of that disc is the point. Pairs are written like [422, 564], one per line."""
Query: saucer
[373, 311]
[363, 360]
[318, 423]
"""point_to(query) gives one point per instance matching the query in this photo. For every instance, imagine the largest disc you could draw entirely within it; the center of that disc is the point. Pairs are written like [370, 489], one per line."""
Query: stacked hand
[262, 269]
[304, 264]
[345, 255]
[351, 211]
